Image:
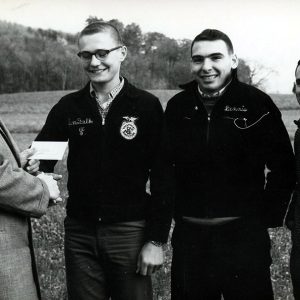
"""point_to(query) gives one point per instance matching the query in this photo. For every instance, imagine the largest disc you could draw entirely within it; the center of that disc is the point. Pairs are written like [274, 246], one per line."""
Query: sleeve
[295, 201]
[161, 182]
[21, 192]
[54, 129]
[281, 174]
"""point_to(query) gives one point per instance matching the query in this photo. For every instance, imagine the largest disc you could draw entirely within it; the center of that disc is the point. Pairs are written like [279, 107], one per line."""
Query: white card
[49, 150]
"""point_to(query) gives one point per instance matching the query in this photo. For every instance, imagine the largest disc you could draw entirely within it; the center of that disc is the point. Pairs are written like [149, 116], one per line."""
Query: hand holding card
[48, 150]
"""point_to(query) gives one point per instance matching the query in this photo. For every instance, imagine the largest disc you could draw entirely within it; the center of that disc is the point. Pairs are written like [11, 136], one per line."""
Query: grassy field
[25, 113]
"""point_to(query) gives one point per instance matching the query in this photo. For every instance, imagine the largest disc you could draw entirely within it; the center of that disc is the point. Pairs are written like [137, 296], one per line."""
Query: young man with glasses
[225, 136]
[114, 230]
[295, 209]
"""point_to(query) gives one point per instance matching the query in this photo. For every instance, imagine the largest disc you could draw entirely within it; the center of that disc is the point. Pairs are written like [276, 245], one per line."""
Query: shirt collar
[215, 94]
[112, 94]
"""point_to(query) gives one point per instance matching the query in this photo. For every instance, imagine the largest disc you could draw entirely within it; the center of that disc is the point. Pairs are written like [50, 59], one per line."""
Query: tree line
[39, 60]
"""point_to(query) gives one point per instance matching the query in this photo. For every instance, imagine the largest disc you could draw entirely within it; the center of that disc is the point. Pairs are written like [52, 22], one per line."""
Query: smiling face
[103, 73]
[212, 64]
[297, 87]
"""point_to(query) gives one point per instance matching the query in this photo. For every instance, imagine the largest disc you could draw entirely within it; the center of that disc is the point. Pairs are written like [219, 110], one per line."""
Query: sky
[263, 32]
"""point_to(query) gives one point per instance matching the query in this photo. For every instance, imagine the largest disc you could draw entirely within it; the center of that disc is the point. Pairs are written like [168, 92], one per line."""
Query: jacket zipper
[208, 122]
[208, 127]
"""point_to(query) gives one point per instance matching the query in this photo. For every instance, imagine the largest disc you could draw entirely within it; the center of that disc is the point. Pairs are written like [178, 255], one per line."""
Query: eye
[216, 57]
[85, 55]
[197, 59]
[102, 53]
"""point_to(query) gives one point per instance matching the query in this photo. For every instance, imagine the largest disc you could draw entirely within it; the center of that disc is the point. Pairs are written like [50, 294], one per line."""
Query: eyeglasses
[100, 54]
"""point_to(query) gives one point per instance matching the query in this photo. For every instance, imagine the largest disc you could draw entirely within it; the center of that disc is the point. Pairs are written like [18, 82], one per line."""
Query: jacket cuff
[276, 205]
[44, 200]
[158, 232]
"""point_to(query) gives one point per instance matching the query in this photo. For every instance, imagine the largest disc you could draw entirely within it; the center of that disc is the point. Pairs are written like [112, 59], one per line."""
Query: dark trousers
[295, 254]
[231, 260]
[101, 261]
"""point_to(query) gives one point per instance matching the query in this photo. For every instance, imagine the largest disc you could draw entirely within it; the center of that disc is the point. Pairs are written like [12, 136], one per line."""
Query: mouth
[97, 71]
[208, 77]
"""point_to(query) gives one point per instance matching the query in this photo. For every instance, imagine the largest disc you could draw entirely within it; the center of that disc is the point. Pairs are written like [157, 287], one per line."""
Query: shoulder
[180, 96]
[70, 100]
[74, 96]
[183, 97]
[251, 91]
[256, 98]
[141, 94]
[142, 98]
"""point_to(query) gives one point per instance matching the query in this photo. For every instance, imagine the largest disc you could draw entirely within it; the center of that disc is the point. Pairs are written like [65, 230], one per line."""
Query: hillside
[43, 60]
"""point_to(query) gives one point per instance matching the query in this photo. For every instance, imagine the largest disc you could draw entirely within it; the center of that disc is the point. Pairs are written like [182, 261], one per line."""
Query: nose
[207, 65]
[94, 61]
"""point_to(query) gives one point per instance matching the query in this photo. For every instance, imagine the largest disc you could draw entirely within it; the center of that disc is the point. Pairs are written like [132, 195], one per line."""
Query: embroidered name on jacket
[128, 128]
[235, 108]
[80, 121]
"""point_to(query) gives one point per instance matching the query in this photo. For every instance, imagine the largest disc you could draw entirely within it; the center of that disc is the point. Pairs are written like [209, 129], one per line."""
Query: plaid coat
[21, 196]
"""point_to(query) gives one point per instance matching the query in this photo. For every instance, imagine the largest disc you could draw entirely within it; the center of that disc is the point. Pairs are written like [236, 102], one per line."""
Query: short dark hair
[213, 35]
[297, 66]
[99, 26]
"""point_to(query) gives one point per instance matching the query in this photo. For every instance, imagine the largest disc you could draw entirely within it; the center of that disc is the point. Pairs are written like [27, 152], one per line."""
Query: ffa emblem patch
[128, 128]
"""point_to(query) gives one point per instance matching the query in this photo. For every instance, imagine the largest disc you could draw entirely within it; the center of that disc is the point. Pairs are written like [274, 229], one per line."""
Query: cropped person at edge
[22, 196]
[293, 221]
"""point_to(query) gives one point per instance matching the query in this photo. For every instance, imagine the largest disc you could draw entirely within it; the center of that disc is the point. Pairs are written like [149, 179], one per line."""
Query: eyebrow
[210, 55]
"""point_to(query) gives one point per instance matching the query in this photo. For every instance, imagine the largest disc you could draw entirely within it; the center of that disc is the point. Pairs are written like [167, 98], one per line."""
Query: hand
[30, 165]
[53, 202]
[150, 259]
[52, 186]
[55, 176]
[58, 200]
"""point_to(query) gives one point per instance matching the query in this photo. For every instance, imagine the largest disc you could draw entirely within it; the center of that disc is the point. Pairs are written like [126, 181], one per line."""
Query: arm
[160, 202]
[290, 216]
[281, 165]
[54, 129]
[21, 192]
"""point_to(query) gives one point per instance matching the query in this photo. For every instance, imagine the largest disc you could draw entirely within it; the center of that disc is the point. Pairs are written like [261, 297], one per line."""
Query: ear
[234, 61]
[123, 53]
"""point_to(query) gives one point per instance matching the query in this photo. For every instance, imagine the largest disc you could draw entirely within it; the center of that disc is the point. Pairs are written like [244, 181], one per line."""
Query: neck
[218, 92]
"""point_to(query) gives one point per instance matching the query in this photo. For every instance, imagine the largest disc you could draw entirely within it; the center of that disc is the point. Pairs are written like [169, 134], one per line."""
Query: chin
[209, 88]
[98, 80]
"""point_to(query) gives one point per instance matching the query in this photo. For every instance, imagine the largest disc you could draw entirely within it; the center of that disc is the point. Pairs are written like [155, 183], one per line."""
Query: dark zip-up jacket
[109, 164]
[293, 216]
[220, 161]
